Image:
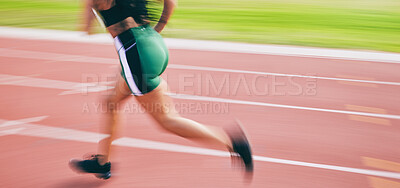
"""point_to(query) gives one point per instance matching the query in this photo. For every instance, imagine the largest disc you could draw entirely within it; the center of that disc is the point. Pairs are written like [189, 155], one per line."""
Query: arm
[168, 9]
[88, 17]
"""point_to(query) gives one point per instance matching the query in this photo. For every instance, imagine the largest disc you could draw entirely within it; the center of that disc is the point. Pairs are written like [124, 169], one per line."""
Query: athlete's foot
[241, 148]
[91, 165]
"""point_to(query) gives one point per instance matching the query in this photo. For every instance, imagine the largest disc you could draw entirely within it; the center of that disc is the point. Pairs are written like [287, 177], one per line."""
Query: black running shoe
[241, 147]
[91, 165]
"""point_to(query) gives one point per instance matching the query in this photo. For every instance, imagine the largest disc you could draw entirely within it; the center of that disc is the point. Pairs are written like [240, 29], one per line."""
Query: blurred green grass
[356, 24]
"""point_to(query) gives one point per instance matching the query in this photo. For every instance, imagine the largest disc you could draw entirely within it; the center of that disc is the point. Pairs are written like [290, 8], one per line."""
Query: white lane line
[12, 123]
[90, 137]
[11, 131]
[295, 51]
[189, 67]
[22, 121]
[5, 52]
[71, 87]
[330, 167]
[55, 84]
[69, 36]
[54, 57]
[30, 129]
[233, 101]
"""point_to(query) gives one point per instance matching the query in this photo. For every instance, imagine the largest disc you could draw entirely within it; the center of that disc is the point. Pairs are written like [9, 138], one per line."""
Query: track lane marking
[58, 58]
[361, 84]
[189, 67]
[46, 83]
[30, 129]
[356, 83]
[233, 101]
[70, 87]
[37, 130]
[22, 121]
[12, 123]
[11, 131]
[296, 51]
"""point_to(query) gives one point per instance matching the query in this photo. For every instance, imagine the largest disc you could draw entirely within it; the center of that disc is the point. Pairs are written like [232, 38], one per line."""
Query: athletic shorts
[143, 57]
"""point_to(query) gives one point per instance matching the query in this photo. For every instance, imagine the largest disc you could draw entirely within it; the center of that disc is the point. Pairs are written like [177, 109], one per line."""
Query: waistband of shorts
[131, 34]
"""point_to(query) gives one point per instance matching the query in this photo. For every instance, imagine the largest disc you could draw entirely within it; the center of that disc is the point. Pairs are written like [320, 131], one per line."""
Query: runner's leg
[112, 102]
[161, 108]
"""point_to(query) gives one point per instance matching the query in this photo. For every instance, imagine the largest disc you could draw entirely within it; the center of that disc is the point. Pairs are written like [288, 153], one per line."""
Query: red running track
[33, 155]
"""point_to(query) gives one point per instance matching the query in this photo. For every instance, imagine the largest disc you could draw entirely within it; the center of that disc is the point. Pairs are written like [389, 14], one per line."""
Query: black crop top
[114, 15]
[137, 9]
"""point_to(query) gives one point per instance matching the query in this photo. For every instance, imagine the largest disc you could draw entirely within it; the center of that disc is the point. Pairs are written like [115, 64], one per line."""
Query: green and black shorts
[143, 56]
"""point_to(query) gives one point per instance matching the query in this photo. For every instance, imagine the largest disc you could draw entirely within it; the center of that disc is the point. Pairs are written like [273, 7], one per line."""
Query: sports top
[113, 15]
[126, 8]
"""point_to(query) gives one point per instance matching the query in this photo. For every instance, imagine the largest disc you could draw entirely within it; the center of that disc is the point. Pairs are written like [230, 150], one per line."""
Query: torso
[119, 27]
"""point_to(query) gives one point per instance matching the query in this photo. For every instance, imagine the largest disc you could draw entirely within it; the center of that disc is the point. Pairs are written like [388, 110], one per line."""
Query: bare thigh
[157, 103]
[121, 92]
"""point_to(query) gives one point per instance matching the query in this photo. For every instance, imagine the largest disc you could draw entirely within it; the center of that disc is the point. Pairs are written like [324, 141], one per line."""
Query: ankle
[102, 160]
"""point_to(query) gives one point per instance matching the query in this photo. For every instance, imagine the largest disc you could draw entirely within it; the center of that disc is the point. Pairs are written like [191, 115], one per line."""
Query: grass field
[358, 24]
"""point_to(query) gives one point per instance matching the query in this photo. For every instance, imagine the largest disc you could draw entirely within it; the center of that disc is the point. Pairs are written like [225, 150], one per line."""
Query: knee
[167, 122]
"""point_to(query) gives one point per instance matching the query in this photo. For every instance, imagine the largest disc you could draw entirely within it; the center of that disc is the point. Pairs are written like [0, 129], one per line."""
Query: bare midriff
[122, 26]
